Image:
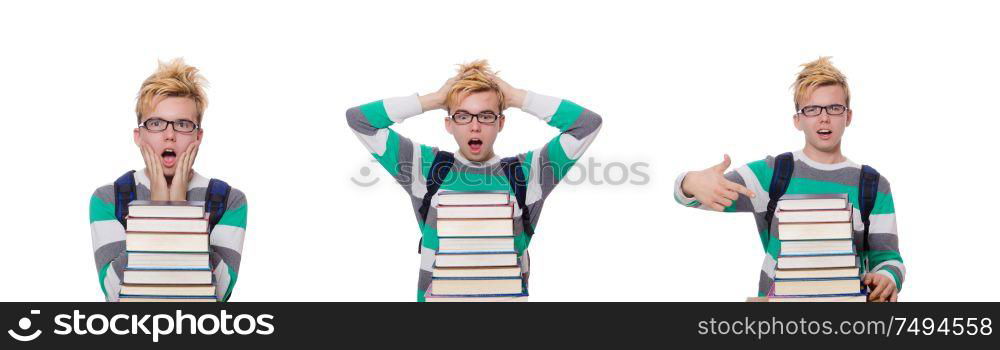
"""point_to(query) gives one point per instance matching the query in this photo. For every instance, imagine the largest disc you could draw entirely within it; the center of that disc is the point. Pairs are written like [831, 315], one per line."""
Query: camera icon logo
[25, 324]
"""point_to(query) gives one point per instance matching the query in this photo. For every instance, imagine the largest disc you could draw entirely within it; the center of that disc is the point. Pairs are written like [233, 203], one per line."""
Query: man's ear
[797, 121]
[135, 137]
[201, 133]
[449, 126]
[850, 115]
[500, 127]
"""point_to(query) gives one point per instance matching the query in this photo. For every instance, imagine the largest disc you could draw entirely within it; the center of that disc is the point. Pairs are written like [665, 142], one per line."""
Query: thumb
[721, 167]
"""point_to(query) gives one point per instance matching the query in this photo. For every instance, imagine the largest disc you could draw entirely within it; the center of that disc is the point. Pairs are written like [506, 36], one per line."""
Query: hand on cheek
[159, 190]
[183, 173]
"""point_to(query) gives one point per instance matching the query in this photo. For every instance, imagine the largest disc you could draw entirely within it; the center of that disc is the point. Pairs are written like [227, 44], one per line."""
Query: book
[514, 298]
[166, 242]
[817, 247]
[179, 225]
[168, 276]
[446, 197]
[813, 216]
[820, 286]
[152, 260]
[476, 259]
[433, 297]
[817, 273]
[475, 228]
[166, 209]
[493, 211]
[473, 286]
[806, 202]
[814, 231]
[191, 290]
[165, 299]
[853, 298]
[816, 261]
[458, 245]
[492, 271]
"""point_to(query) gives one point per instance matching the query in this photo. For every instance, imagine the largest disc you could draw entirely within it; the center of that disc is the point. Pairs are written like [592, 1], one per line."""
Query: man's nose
[169, 133]
[474, 125]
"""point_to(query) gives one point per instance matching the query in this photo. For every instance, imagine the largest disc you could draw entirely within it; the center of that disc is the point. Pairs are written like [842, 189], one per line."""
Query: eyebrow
[465, 111]
[829, 105]
[175, 121]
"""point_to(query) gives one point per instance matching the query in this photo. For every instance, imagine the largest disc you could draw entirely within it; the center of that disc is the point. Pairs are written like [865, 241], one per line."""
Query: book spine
[476, 252]
[130, 268]
[477, 278]
[167, 296]
[816, 279]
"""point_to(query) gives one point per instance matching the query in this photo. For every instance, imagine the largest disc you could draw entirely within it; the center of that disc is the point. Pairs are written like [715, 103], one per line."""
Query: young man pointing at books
[475, 101]
[169, 112]
[822, 112]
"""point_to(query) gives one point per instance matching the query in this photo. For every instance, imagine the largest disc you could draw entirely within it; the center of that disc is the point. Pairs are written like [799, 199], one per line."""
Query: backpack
[784, 164]
[442, 164]
[216, 197]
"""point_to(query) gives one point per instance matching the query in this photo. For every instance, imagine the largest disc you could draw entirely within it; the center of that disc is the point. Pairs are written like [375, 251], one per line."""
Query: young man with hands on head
[475, 101]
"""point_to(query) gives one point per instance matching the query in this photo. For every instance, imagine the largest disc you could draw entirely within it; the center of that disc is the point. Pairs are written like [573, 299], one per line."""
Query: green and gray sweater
[108, 235]
[409, 163]
[810, 177]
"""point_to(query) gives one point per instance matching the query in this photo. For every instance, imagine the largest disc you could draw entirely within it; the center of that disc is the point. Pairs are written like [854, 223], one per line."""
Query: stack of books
[818, 260]
[167, 246]
[476, 260]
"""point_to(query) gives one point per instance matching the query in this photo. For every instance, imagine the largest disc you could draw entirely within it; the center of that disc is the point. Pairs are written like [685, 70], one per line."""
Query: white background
[678, 85]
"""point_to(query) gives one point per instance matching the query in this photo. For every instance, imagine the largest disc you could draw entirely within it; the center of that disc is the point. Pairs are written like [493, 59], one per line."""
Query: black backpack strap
[519, 183]
[867, 191]
[443, 161]
[124, 194]
[784, 165]
[216, 198]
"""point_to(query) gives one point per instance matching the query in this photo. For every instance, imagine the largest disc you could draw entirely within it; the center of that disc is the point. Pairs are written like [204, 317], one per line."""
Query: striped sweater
[226, 239]
[810, 177]
[409, 163]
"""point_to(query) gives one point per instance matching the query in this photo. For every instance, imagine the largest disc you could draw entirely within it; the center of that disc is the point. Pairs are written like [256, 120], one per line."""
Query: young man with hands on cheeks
[475, 101]
[169, 111]
[822, 112]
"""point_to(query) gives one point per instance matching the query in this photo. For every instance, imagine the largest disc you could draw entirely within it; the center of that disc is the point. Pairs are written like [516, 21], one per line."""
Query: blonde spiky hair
[819, 73]
[473, 77]
[172, 79]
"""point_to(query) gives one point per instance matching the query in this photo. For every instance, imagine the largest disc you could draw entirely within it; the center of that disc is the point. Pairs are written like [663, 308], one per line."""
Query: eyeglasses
[462, 118]
[831, 110]
[157, 125]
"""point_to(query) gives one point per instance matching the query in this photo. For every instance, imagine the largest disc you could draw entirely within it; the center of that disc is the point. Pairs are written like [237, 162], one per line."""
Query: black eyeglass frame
[477, 117]
[171, 124]
[821, 109]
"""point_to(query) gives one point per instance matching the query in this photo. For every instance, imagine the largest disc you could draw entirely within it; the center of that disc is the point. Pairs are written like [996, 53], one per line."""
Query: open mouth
[824, 133]
[169, 157]
[475, 145]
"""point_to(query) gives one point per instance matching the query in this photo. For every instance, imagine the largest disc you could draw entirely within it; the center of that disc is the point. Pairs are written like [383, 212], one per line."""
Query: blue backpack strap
[784, 165]
[216, 198]
[443, 161]
[867, 191]
[124, 194]
[519, 183]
